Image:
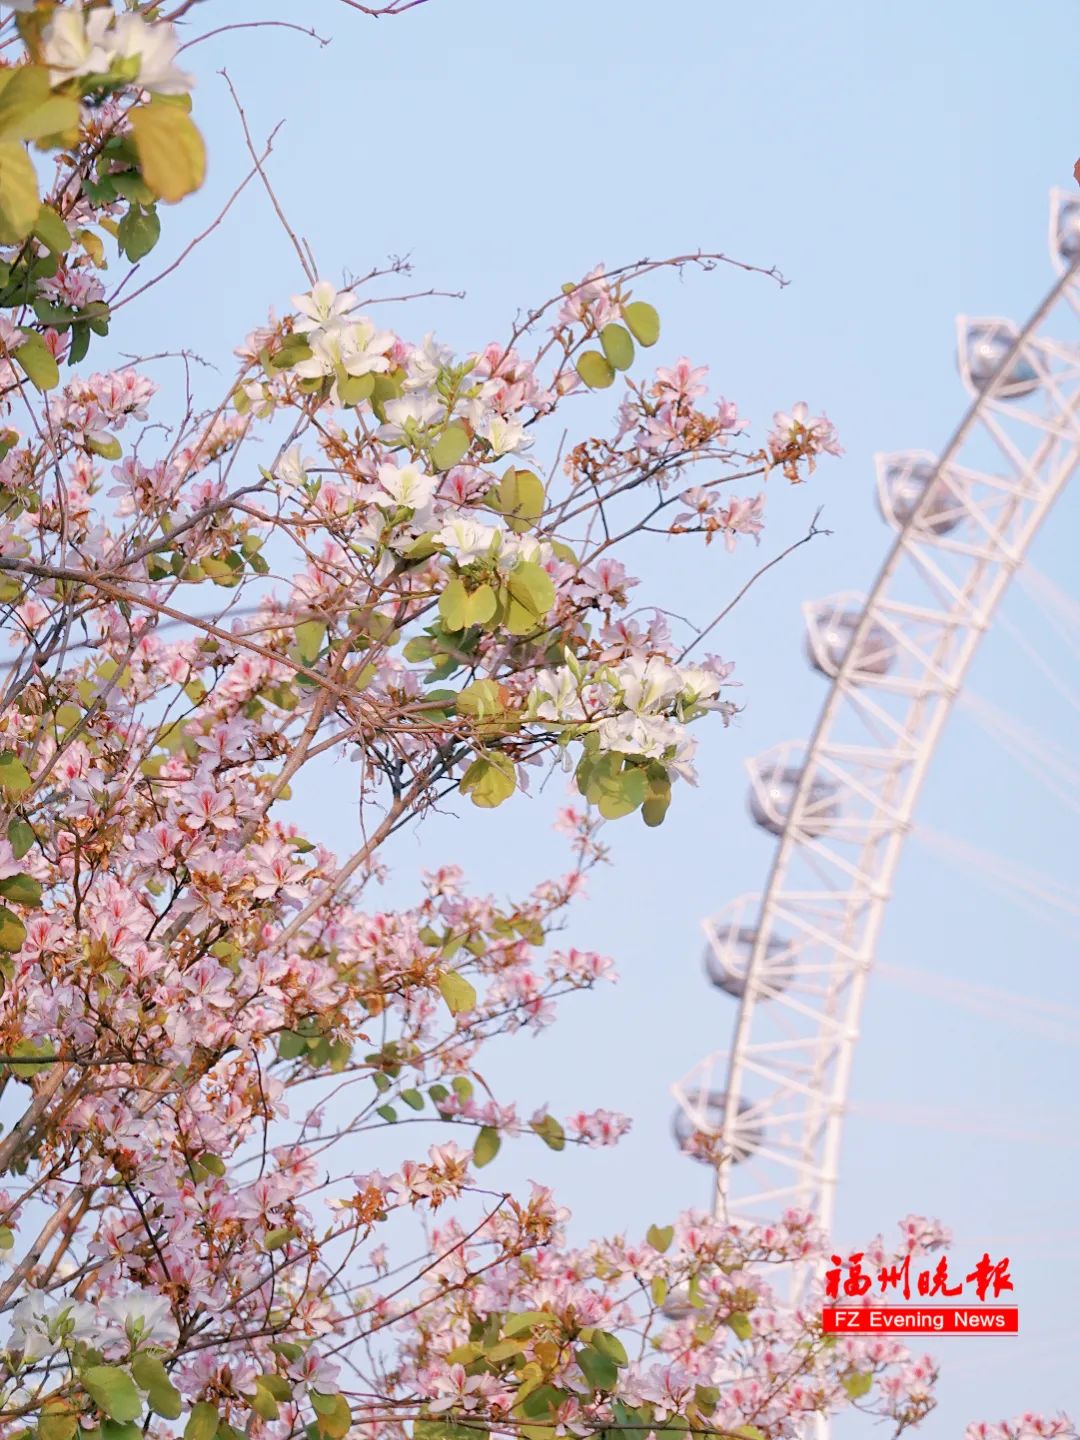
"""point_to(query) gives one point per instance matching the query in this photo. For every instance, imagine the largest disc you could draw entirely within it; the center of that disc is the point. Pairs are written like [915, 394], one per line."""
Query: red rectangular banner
[936, 1319]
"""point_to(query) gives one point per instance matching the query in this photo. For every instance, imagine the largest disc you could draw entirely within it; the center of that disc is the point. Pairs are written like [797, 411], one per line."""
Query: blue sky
[894, 161]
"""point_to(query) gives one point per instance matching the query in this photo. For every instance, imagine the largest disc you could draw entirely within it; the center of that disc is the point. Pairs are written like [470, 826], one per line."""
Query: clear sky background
[894, 161]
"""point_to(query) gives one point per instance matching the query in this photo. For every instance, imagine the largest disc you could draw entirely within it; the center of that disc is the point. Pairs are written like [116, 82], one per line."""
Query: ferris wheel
[767, 1113]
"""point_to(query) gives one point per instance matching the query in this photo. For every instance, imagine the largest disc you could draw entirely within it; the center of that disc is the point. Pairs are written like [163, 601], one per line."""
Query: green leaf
[113, 1391]
[113, 1430]
[608, 1344]
[172, 156]
[858, 1385]
[459, 995]
[57, 1420]
[20, 838]
[523, 1320]
[541, 1404]
[413, 1099]
[14, 777]
[21, 91]
[595, 370]
[291, 1045]
[80, 344]
[34, 357]
[748, 1432]
[139, 231]
[276, 1239]
[658, 1289]
[51, 230]
[150, 1375]
[489, 780]
[487, 1146]
[109, 448]
[291, 351]
[642, 321]
[202, 1422]
[613, 787]
[449, 447]
[23, 889]
[660, 1237]
[479, 605]
[618, 347]
[28, 109]
[657, 799]
[550, 1131]
[531, 594]
[332, 1415]
[740, 1323]
[264, 1402]
[387, 1113]
[459, 608]
[19, 202]
[12, 930]
[480, 700]
[519, 496]
[279, 1387]
[310, 638]
[600, 1370]
[444, 1429]
[354, 389]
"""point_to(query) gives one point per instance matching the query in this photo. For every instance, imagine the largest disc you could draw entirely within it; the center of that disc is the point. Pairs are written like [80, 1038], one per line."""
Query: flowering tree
[201, 1019]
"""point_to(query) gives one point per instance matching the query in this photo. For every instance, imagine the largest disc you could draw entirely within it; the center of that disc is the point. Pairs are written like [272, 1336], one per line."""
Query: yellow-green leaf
[642, 321]
[52, 231]
[22, 91]
[660, 1236]
[459, 995]
[172, 156]
[310, 637]
[23, 889]
[263, 1403]
[20, 838]
[595, 370]
[19, 203]
[35, 360]
[859, 1384]
[332, 1415]
[202, 1422]
[353, 389]
[58, 1420]
[150, 1375]
[531, 594]
[489, 781]
[480, 700]
[459, 608]
[14, 777]
[520, 497]
[12, 930]
[487, 1146]
[449, 447]
[618, 347]
[113, 1391]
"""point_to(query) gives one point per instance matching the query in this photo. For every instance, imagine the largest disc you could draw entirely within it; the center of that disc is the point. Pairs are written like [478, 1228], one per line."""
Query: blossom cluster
[209, 1022]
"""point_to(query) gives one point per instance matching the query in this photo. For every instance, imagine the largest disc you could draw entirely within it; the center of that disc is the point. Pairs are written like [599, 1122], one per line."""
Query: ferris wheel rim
[845, 676]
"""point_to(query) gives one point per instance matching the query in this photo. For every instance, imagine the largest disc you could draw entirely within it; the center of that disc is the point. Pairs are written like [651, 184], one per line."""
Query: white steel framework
[769, 1110]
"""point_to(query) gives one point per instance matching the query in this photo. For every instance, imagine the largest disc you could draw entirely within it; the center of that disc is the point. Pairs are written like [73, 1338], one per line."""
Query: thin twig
[814, 530]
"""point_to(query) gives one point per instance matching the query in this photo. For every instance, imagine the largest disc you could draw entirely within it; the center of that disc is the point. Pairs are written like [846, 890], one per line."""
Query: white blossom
[468, 540]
